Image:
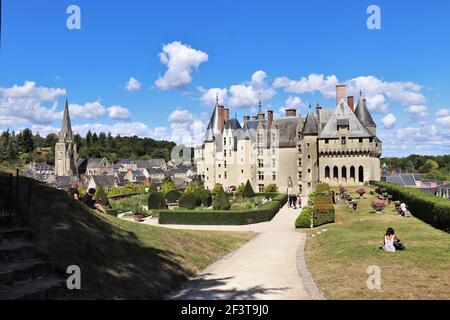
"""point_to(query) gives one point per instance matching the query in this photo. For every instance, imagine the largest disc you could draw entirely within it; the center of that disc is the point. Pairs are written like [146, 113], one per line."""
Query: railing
[15, 199]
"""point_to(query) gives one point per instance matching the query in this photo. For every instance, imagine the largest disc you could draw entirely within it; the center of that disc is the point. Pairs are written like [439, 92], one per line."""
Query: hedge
[205, 196]
[323, 210]
[427, 207]
[322, 187]
[173, 196]
[224, 217]
[220, 201]
[304, 219]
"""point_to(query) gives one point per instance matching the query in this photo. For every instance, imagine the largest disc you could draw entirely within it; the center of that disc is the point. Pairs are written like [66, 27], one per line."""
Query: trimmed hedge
[323, 187]
[224, 217]
[304, 219]
[173, 196]
[248, 190]
[156, 200]
[428, 208]
[323, 210]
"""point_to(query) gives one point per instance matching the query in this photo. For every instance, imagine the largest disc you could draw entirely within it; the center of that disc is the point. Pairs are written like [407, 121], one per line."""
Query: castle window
[225, 175]
[309, 170]
[242, 171]
[219, 165]
[260, 175]
[343, 140]
[260, 163]
[327, 172]
[224, 141]
[224, 164]
[260, 187]
[327, 141]
[309, 156]
[224, 153]
[219, 176]
[335, 172]
[360, 140]
[274, 163]
[274, 175]
[361, 174]
[307, 144]
[370, 140]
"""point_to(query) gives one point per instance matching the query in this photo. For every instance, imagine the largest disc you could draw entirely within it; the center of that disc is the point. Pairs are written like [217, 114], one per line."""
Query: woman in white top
[389, 239]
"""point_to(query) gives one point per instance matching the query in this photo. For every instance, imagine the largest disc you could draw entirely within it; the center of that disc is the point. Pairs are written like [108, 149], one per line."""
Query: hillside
[120, 259]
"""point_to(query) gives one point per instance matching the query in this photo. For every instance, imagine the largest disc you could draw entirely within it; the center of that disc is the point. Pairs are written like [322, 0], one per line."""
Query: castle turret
[363, 115]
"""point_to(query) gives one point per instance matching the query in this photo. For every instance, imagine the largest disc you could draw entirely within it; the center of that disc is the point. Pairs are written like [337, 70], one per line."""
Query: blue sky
[290, 52]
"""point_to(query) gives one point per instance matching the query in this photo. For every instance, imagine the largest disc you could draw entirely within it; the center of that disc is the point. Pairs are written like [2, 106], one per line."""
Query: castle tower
[66, 148]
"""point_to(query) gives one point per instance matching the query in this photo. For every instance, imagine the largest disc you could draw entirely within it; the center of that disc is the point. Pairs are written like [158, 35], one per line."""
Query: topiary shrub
[100, 196]
[248, 190]
[205, 196]
[189, 201]
[304, 219]
[194, 187]
[241, 188]
[173, 196]
[152, 187]
[220, 201]
[156, 200]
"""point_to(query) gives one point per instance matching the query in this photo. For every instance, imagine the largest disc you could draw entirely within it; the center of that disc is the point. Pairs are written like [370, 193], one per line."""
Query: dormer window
[343, 140]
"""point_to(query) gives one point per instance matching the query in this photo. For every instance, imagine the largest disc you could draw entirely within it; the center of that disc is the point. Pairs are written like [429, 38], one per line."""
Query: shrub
[152, 187]
[323, 211]
[304, 219]
[205, 196]
[167, 186]
[361, 192]
[189, 201]
[429, 208]
[378, 205]
[173, 196]
[241, 188]
[193, 187]
[271, 188]
[101, 197]
[156, 200]
[220, 201]
[323, 187]
[248, 190]
[224, 217]
[217, 188]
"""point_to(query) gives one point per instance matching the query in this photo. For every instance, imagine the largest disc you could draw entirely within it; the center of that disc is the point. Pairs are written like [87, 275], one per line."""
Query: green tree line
[24, 147]
[434, 167]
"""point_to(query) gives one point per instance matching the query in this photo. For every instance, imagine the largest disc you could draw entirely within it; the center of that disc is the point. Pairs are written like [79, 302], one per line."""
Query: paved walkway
[269, 267]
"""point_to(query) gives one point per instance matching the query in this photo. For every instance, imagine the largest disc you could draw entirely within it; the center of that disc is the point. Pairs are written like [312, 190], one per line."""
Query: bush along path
[264, 268]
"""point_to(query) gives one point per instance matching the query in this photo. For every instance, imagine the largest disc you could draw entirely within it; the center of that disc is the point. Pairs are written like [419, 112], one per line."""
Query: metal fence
[15, 199]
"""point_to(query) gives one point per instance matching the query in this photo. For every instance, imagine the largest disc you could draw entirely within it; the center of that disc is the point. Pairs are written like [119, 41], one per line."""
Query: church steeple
[66, 134]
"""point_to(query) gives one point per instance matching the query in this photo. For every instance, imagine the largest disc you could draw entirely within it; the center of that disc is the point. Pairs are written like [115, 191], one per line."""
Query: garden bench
[173, 205]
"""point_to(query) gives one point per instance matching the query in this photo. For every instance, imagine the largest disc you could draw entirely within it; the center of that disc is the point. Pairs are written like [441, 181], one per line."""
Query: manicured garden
[196, 205]
[320, 209]
[339, 254]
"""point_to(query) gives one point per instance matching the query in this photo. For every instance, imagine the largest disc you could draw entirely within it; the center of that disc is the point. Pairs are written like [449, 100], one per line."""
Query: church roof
[66, 133]
[344, 113]
[311, 126]
[363, 114]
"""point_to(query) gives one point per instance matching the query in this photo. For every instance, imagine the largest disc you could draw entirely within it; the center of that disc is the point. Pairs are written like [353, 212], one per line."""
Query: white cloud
[243, 95]
[186, 127]
[133, 85]
[181, 116]
[119, 113]
[294, 103]
[443, 112]
[389, 121]
[312, 83]
[445, 121]
[88, 111]
[417, 110]
[20, 105]
[181, 60]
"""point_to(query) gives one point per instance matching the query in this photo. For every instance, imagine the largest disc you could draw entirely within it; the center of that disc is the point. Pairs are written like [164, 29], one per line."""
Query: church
[333, 145]
[66, 154]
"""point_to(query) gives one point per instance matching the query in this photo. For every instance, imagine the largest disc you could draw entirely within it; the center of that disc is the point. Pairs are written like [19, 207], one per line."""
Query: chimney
[246, 119]
[291, 112]
[351, 102]
[318, 107]
[226, 114]
[340, 92]
[221, 118]
[269, 118]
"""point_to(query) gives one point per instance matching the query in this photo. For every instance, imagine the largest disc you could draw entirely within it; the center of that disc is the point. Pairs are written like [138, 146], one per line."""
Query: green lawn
[121, 259]
[338, 258]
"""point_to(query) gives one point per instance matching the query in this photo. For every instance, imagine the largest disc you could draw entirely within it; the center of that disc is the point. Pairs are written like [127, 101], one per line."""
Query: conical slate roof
[213, 126]
[363, 114]
[311, 126]
[66, 134]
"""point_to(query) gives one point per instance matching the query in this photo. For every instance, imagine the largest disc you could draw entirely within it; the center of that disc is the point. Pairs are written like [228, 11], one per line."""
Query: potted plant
[361, 192]
[379, 206]
[354, 205]
[138, 214]
[390, 198]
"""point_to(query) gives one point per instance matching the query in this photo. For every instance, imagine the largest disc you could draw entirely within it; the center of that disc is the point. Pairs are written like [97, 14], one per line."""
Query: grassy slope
[338, 258]
[121, 259]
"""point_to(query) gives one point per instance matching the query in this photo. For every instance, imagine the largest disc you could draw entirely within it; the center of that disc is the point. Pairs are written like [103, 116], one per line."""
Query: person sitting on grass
[90, 202]
[391, 241]
[73, 191]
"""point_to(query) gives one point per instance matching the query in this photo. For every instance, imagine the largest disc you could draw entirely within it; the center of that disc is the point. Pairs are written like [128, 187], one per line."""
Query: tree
[271, 188]
[100, 196]
[25, 142]
[217, 188]
[248, 190]
[152, 187]
[221, 201]
[167, 186]
[194, 187]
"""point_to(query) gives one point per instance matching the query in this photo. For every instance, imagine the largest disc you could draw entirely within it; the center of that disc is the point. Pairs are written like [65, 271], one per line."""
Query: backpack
[399, 246]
